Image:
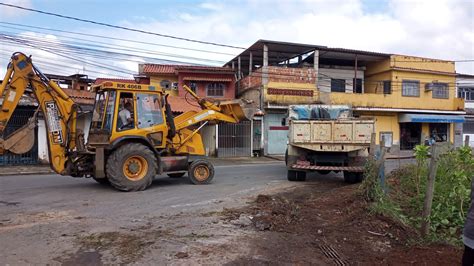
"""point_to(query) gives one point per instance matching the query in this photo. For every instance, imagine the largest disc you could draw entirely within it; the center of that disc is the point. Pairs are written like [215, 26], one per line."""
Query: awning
[208, 79]
[426, 118]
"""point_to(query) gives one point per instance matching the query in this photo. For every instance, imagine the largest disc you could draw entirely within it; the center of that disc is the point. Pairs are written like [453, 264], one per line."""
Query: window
[193, 86]
[439, 132]
[149, 111]
[215, 89]
[165, 84]
[440, 90]
[125, 119]
[468, 127]
[338, 85]
[387, 87]
[82, 88]
[411, 88]
[466, 93]
[109, 112]
[357, 85]
[99, 109]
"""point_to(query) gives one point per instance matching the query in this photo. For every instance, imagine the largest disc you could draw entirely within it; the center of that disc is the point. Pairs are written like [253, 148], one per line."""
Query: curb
[275, 158]
[43, 172]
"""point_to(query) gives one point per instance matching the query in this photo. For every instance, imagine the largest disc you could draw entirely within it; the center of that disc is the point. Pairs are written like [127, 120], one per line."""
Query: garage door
[277, 134]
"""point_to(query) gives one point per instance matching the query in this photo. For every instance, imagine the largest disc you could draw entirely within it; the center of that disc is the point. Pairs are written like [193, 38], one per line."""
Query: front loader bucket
[20, 141]
[236, 109]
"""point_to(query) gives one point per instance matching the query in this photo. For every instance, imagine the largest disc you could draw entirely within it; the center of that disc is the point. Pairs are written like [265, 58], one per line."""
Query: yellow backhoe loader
[133, 135]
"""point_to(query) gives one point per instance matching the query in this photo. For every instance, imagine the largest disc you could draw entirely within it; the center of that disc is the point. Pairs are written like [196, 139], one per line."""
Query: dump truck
[133, 134]
[327, 138]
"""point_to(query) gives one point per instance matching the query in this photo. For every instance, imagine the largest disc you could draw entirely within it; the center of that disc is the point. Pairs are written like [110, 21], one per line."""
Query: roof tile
[180, 105]
[172, 69]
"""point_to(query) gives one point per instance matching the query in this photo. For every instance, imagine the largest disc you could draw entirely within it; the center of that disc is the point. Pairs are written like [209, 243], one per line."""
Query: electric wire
[118, 27]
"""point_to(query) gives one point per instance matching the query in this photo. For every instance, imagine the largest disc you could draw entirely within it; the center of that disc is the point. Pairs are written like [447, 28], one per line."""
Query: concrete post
[316, 67]
[239, 69]
[265, 65]
[250, 63]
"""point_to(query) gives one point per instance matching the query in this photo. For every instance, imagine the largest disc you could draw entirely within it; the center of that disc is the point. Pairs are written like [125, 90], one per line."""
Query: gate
[234, 139]
[20, 118]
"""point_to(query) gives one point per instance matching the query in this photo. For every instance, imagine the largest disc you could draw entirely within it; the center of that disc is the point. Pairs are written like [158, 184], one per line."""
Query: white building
[465, 90]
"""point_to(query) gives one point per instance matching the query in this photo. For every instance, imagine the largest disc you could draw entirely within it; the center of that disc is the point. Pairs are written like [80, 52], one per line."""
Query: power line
[29, 27]
[119, 27]
[108, 47]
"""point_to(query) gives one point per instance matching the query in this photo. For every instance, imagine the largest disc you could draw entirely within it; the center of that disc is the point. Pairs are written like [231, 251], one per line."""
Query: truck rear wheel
[131, 167]
[201, 172]
[353, 177]
[296, 175]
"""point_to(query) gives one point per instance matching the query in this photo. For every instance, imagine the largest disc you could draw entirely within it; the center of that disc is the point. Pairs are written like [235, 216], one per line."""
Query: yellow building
[412, 99]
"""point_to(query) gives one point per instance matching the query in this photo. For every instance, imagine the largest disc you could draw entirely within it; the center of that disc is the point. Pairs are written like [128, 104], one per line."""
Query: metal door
[20, 118]
[276, 134]
[234, 139]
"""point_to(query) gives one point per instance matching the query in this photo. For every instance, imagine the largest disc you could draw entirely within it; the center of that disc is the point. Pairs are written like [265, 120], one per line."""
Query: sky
[441, 29]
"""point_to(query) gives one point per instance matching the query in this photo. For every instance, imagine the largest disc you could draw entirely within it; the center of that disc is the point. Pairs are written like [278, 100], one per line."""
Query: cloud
[9, 12]
[441, 29]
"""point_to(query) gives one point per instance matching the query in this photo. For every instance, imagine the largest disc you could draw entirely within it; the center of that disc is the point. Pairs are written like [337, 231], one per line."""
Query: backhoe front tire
[131, 167]
[201, 172]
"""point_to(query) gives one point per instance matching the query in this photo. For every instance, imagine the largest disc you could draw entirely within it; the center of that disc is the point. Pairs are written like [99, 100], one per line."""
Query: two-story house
[411, 98]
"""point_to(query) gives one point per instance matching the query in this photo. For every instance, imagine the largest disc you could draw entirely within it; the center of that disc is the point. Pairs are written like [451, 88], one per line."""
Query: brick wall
[279, 74]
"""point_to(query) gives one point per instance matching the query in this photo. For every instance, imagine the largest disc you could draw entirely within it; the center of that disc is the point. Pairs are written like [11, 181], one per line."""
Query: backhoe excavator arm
[58, 108]
[228, 111]
[188, 140]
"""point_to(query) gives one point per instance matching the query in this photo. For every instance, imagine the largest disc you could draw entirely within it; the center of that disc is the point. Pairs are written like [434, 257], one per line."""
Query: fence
[20, 118]
[234, 139]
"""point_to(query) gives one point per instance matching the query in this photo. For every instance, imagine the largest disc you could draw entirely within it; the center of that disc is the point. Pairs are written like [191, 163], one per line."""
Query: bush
[407, 188]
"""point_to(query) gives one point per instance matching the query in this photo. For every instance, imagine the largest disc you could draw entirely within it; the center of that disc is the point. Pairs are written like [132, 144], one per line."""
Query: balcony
[397, 101]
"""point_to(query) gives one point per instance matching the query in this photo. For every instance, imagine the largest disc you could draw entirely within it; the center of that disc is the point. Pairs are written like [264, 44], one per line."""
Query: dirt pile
[326, 224]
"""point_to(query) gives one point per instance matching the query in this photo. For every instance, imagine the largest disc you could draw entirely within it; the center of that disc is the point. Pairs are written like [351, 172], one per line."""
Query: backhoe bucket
[20, 141]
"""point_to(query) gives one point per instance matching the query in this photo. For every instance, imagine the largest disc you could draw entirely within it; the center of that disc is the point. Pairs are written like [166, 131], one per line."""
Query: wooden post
[425, 221]
[466, 141]
[372, 144]
[381, 163]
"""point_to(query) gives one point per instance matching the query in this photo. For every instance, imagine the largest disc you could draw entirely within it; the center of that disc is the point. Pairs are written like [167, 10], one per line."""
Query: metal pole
[355, 76]
[217, 140]
[251, 137]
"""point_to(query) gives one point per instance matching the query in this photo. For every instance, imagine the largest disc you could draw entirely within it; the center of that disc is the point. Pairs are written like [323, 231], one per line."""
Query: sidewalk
[25, 170]
[45, 169]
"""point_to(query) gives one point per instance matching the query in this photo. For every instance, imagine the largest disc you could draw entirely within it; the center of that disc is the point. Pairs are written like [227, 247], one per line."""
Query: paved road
[44, 217]
[51, 218]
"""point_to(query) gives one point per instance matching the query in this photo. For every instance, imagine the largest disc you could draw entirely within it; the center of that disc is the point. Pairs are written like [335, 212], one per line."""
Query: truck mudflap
[327, 168]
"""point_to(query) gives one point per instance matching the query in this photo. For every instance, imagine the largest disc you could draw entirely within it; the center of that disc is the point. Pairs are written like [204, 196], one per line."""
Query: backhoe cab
[133, 135]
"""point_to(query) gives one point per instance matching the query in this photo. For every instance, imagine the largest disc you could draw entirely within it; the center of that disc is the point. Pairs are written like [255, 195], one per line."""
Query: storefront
[426, 128]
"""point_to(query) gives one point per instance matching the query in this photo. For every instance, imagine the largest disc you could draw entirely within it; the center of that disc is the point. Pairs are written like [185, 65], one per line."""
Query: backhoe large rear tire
[131, 167]
[102, 181]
